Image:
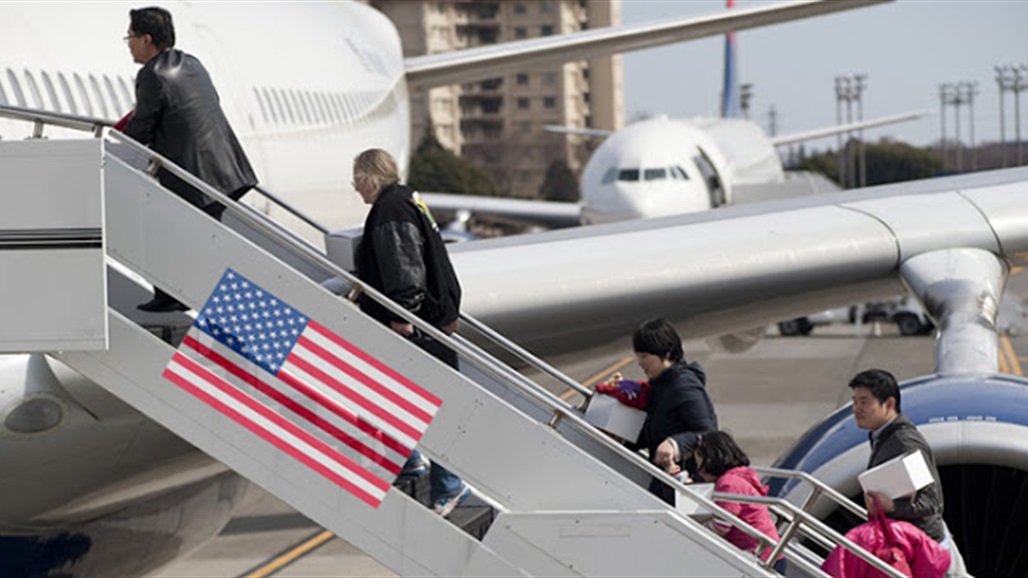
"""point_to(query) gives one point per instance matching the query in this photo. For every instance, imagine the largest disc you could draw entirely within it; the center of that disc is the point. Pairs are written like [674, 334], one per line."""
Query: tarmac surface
[767, 397]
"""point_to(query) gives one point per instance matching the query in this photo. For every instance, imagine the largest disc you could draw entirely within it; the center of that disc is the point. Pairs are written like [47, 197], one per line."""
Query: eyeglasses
[129, 37]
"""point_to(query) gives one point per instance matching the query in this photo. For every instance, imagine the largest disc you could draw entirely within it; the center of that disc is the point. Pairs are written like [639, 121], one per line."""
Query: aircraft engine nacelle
[978, 429]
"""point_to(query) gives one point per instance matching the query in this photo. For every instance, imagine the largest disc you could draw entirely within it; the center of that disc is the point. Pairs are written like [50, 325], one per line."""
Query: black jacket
[679, 408]
[924, 509]
[402, 255]
[178, 114]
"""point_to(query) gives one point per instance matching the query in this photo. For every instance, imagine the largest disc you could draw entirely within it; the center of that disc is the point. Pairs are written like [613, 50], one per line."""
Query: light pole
[745, 94]
[861, 84]
[944, 90]
[841, 93]
[967, 92]
[1020, 83]
[1005, 82]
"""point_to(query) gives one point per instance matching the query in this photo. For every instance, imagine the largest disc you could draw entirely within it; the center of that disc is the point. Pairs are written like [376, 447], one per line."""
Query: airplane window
[628, 175]
[278, 112]
[655, 174]
[37, 98]
[318, 107]
[87, 104]
[260, 103]
[308, 104]
[679, 173]
[308, 107]
[344, 105]
[128, 95]
[51, 92]
[333, 103]
[66, 90]
[288, 105]
[19, 96]
[301, 113]
[610, 176]
[326, 107]
[99, 96]
[115, 100]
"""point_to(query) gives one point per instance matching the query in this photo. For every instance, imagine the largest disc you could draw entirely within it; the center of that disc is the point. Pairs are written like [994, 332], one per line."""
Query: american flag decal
[302, 388]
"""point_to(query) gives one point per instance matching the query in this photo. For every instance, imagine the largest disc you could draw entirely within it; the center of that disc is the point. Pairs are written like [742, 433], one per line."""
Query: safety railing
[799, 515]
[41, 118]
[560, 409]
[492, 366]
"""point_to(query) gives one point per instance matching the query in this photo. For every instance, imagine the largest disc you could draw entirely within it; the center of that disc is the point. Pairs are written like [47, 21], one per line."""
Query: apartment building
[498, 123]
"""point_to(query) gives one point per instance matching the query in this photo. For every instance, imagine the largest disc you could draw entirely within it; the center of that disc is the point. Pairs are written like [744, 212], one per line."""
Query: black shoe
[162, 305]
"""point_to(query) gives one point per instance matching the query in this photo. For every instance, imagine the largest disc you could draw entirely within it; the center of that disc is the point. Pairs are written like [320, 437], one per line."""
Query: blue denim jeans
[442, 482]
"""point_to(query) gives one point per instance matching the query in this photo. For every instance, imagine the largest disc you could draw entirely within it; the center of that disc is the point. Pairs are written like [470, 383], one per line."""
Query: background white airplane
[107, 491]
[663, 166]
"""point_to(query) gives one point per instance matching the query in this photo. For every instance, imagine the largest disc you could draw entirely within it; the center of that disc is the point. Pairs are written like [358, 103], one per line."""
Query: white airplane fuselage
[661, 166]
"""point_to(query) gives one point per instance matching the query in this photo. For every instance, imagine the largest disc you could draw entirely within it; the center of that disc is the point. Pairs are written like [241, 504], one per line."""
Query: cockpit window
[628, 175]
[655, 174]
[679, 173]
[610, 176]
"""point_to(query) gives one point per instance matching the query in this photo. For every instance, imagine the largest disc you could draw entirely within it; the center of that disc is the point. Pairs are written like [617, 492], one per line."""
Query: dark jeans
[444, 483]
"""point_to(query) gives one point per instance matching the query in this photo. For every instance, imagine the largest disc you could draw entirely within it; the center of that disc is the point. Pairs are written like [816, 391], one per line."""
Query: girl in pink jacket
[721, 461]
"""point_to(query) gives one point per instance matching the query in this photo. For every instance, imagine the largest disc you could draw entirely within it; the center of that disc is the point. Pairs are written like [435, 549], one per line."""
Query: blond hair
[377, 167]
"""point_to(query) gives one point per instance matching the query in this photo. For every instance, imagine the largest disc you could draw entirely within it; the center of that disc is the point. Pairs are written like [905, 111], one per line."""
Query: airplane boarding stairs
[568, 500]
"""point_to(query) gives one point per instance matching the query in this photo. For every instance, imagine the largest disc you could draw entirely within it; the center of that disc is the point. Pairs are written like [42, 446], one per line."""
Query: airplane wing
[729, 270]
[849, 127]
[509, 57]
[545, 213]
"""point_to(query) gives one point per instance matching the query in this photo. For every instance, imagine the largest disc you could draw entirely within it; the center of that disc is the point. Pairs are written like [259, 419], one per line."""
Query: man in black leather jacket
[403, 256]
[876, 408]
[178, 114]
[679, 409]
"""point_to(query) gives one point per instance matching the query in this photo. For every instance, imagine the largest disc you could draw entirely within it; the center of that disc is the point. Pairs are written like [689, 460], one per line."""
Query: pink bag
[899, 544]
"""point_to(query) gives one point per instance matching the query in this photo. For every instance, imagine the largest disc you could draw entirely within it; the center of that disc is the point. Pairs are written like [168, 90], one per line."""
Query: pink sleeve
[735, 508]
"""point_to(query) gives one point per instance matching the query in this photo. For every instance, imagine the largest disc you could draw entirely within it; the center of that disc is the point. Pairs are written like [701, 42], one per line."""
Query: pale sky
[906, 49]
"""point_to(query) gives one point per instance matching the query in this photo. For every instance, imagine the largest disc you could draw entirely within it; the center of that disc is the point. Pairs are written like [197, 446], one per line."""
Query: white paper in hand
[899, 477]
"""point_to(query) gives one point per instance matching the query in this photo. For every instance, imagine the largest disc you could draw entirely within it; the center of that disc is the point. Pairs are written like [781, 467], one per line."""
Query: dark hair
[658, 337]
[156, 22]
[881, 383]
[720, 453]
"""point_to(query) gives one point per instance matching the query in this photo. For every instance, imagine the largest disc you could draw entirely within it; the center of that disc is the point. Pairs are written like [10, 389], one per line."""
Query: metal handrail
[462, 346]
[39, 118]
[97, 125]
[801, 515]
[291, 209]
[468, 350]
[828, 491]
[64, 120]
[526, 356]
